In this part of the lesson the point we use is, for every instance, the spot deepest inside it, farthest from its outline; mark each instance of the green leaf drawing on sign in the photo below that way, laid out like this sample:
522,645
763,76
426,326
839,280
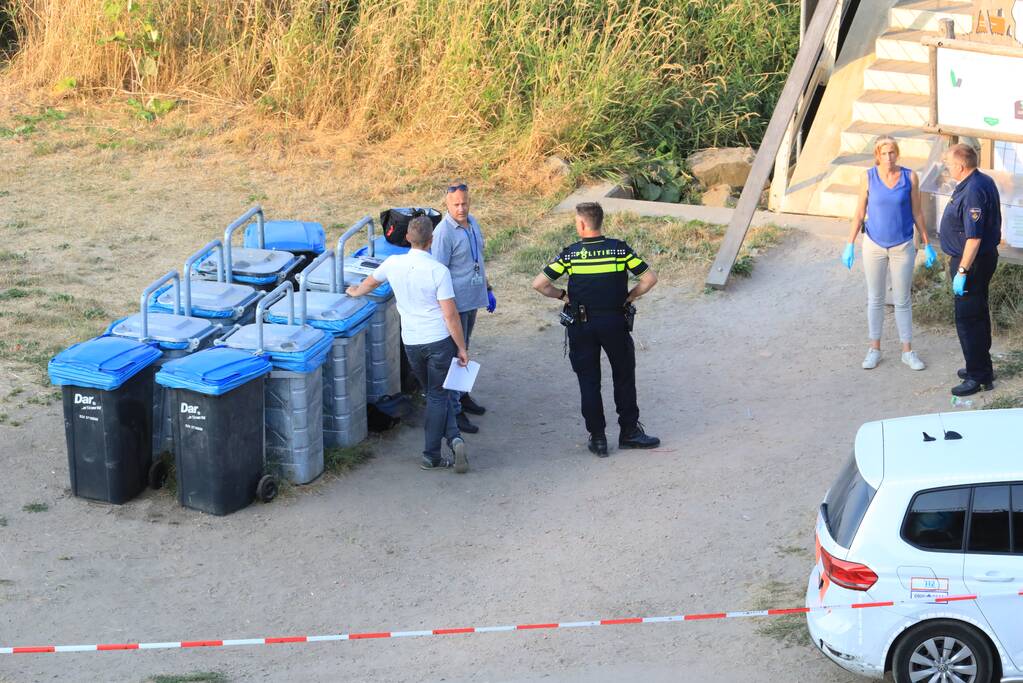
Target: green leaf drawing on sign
990,120
956,82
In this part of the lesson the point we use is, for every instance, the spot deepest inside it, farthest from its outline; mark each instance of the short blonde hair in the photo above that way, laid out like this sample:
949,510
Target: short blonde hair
881,142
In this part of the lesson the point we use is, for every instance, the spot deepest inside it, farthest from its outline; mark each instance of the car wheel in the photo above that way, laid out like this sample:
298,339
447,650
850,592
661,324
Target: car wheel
943,652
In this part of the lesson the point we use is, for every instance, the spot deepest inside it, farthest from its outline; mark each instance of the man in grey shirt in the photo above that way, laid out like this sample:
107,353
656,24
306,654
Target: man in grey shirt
458,244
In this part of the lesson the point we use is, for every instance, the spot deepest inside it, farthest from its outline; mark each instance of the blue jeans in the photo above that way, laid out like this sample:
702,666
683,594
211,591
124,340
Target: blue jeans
430,363
468,322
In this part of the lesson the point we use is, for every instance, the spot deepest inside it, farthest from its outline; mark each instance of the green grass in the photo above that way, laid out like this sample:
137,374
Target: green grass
933,302
663,242
35,507
1015,401
789,630
195,677
341,460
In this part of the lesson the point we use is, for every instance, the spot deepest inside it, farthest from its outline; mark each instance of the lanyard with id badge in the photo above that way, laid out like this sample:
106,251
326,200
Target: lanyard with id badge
477,276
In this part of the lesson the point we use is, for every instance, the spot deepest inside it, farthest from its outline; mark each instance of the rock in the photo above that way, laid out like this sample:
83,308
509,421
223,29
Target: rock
722,165
717,195
557,166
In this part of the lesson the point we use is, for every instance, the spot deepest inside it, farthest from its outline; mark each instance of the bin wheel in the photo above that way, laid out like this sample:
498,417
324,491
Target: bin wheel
267,488
157,474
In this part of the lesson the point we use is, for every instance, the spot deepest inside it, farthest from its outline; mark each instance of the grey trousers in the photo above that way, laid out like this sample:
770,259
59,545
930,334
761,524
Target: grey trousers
468,322
877,261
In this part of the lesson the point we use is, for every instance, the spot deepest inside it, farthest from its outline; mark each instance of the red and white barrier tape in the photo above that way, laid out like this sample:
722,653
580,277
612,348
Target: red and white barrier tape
41,649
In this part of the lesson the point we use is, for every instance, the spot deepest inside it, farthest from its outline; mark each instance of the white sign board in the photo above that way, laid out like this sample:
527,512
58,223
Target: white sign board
980,91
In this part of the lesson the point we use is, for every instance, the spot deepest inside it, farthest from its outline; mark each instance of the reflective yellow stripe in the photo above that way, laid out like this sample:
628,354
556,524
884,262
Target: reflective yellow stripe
634,263
557,267
597,269
591,261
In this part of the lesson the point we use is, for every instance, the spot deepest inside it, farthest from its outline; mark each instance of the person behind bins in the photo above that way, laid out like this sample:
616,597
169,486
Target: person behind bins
971,229
432,332
596,299
458,244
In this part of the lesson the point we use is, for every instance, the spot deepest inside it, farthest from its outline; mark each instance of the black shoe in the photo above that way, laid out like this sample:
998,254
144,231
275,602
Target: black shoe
464,425
470,406
970,386
637,438
961,374
598,445
461,458
438,464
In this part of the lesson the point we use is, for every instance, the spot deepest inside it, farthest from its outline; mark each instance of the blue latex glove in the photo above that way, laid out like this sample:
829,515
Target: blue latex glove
959,284
491,301
848,256
932,256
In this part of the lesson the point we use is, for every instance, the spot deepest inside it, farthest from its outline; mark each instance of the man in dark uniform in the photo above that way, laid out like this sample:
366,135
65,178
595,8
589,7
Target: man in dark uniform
598,292
971,229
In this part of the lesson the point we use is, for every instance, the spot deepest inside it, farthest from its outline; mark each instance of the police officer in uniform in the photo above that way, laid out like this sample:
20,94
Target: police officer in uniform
596,299
971,229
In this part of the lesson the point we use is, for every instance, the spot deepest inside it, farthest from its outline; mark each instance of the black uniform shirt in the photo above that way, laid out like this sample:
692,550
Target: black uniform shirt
973,211
598,271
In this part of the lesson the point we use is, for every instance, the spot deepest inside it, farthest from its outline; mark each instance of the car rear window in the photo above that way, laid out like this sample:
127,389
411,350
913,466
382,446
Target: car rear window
990,526
936,519
846,503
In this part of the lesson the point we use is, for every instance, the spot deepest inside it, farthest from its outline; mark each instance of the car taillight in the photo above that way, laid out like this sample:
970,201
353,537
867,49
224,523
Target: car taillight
851,575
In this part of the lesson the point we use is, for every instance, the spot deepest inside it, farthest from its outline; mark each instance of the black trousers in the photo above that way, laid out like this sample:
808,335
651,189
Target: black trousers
585,341
973,317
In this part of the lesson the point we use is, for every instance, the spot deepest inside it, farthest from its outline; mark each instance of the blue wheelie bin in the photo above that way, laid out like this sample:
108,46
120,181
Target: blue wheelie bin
383,337
260,267
306,239
176,334
294,389
107,384
217,395
344,372
220,301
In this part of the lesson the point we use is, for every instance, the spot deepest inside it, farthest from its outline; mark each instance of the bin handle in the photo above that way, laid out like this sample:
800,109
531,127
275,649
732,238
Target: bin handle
284,289
339,254
148,291
303,280
204,250
242,220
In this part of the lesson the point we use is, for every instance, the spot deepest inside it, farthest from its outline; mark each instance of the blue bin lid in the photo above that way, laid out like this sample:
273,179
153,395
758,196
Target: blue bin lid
288,235
105,362
336,313
210,299
382,249
213,372
299,348
250,265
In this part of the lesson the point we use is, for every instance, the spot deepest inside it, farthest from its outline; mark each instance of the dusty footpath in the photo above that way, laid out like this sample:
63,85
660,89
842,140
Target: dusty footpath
756,393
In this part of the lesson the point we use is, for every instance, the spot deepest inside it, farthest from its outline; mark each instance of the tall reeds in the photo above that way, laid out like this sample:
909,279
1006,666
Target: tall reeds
603,81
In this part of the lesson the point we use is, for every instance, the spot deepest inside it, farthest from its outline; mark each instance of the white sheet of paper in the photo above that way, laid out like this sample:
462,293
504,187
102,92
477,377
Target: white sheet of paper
461,379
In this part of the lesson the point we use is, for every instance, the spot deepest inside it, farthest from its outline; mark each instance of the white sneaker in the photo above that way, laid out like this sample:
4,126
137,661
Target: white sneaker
872,359
912,360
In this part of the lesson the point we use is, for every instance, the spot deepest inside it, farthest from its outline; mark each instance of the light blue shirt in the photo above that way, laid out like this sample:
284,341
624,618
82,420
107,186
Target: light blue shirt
461,250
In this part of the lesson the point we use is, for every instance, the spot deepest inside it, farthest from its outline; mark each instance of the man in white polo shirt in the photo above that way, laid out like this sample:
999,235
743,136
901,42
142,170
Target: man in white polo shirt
432,332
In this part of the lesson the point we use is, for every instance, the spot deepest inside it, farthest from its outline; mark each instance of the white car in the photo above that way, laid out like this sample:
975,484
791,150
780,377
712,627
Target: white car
928,511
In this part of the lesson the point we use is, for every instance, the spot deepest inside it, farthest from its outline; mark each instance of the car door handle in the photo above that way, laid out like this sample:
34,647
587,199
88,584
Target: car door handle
993,578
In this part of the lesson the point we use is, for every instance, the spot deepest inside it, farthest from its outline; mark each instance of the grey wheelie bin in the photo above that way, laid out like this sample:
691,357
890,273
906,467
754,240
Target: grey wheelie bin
383,336
177,334
344,372
107,384
260,267
294,389
220,301
218,428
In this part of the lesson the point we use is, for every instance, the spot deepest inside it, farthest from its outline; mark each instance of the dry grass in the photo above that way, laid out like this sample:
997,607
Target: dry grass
500,82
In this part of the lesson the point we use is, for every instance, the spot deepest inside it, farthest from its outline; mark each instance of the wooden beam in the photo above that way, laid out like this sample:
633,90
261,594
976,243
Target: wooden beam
973,133
795,85
968,46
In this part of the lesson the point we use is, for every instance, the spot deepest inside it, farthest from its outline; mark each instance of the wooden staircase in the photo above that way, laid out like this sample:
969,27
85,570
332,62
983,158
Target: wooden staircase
895,100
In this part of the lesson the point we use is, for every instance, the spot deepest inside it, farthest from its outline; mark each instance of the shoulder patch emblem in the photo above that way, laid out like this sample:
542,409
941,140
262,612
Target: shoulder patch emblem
975,215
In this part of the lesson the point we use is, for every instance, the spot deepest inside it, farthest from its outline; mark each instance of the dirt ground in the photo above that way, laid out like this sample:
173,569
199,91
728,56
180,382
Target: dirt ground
756,393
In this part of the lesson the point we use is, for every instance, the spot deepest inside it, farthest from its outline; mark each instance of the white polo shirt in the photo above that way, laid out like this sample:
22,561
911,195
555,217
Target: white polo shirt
419,284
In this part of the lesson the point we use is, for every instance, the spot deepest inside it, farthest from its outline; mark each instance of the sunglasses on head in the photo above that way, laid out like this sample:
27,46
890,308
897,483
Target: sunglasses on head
458,188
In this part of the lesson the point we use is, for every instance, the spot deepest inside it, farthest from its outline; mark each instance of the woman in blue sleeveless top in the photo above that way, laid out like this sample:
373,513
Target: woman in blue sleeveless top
889,200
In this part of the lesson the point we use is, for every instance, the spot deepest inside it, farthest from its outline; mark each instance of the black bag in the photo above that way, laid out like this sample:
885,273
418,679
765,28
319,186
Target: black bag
395,222
387,412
